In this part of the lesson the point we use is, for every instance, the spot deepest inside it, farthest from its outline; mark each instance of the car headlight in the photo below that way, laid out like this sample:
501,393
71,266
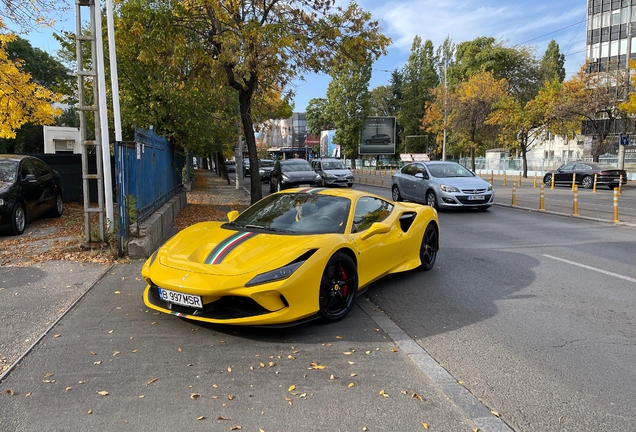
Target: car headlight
274,275
329,176
285,178
318,178
489,186
448,188
1,202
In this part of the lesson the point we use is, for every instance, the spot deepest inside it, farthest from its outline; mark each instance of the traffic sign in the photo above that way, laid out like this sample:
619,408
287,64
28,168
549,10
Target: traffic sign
624,140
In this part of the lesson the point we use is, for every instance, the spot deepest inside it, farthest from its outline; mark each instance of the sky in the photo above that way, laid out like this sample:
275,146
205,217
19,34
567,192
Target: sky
532,23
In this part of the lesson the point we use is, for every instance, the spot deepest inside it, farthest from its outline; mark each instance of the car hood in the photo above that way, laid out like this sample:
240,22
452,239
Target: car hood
464,182
4,187
208,248
301,175
339,172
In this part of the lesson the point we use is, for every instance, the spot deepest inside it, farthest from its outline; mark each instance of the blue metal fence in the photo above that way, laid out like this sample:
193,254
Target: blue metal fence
148,170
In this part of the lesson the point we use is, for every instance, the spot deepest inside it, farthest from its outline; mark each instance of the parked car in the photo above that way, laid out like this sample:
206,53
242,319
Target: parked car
246,168
289,258
265,167
332,172
231,166
606,175
28,188
378,139
290,173
442,185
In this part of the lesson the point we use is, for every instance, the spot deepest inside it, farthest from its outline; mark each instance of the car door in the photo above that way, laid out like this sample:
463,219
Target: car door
29,187
406,180
582,170
46,183
564,174
381,252
420,183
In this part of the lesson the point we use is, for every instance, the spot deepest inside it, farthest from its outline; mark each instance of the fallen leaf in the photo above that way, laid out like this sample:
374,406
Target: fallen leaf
338,337
90,411
153,323
221,418
291,388
291,357
314,365
332,377
28,394
110,332
352,363
235,428
117,292
194,396
48,375
416,396
272,364
81,382
351,385
495,413
393,349
97,362
151,381
384,394
68,388
48,381
347,353
353,374
134,351
180,349
425,425
367,352
57,335
200,418
115,353
142,396
93,353
10,392
102,393
230,397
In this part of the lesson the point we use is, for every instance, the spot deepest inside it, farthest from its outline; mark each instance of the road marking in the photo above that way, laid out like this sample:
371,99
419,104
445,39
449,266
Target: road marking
616,275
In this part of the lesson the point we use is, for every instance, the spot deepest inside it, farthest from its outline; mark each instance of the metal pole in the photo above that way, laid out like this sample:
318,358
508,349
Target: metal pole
445,98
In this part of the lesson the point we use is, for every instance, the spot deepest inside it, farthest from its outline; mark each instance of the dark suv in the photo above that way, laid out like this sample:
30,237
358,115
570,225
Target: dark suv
332,171
378,139
292,173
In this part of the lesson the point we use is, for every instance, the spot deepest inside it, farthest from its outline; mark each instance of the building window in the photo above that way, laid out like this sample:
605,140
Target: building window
633,47
616,18
614,48
604,50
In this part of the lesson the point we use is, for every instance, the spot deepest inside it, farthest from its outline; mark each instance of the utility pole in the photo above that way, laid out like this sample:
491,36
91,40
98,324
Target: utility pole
445,99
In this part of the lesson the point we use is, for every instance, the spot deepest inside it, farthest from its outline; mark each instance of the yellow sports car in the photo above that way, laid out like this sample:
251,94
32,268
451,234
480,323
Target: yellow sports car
293,256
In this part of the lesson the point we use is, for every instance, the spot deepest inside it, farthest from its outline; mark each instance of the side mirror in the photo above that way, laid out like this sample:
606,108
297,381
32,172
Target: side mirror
376,228
420,175
231,216
30,178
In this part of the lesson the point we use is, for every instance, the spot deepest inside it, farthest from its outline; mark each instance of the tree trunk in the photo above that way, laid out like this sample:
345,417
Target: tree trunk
245,98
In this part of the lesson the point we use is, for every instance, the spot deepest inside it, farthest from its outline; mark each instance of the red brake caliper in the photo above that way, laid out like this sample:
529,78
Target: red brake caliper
345,288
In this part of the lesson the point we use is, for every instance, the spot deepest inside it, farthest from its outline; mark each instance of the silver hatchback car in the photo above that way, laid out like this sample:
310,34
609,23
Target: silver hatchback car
442,185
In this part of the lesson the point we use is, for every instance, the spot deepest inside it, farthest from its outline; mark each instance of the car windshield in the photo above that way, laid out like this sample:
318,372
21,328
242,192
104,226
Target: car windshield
296,213
267,163
333,165
449,170
295,166
8,170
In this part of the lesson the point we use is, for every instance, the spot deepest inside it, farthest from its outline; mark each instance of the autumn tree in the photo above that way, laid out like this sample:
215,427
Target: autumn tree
382,102
316,115
266,44
31,14
21,100
348,104
552,66
471,104
597,99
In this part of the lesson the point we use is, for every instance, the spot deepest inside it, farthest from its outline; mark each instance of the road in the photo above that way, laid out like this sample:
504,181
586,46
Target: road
533,312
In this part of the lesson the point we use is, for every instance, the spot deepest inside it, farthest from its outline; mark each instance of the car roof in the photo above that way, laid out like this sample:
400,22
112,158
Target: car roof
13,157
293,160
352,194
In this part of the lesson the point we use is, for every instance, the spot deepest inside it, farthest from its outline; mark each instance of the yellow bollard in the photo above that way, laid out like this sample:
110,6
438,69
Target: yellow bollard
504,178
594,188
616,206
573,180
492,177
374,173
514,194
552,180
480,173
542,198
366,177
519,178
575,211
382,180
535,180
620,185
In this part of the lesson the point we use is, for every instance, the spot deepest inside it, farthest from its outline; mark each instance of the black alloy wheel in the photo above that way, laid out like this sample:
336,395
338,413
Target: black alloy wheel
395,193
587,182
338,288
547,180
58,209
428,248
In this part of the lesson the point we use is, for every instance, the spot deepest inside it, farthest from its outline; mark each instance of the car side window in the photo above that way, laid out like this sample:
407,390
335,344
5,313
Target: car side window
27,168
40,167
368,211
409,169
567,167
582,167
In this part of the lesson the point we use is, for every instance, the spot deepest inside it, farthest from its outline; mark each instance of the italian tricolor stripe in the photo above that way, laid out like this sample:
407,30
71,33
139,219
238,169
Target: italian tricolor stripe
224,248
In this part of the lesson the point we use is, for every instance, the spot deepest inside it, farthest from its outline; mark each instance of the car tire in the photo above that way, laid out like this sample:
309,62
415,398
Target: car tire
428,248
385,142
367,142
349,184
58,209
547,180
18,219
338,288
279,186
272,189
395,194
431,199
587,182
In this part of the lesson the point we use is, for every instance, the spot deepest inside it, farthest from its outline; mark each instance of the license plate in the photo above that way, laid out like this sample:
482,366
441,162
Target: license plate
303,185
476,197
182,299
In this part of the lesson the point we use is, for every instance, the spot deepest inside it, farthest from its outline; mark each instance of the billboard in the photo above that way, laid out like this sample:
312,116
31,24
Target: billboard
378,136
327,146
